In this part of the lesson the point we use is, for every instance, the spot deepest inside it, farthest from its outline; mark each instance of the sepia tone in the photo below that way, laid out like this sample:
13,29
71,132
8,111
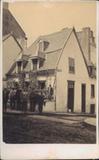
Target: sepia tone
49,87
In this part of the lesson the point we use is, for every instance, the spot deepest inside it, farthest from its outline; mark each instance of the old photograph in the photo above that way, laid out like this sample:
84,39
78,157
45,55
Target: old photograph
49,72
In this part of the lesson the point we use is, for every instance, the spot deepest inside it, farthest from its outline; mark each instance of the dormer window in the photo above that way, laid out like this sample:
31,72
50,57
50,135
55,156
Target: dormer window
43,45
19,66
41,63
92,71
35,64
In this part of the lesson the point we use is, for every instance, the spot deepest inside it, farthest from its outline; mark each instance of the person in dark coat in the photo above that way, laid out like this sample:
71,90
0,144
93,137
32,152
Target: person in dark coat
40,101
51,91
18,99
5,98
24,100
32,100
12,98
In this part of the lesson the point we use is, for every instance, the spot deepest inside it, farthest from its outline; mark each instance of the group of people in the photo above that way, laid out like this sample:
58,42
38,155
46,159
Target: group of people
18,99
23,99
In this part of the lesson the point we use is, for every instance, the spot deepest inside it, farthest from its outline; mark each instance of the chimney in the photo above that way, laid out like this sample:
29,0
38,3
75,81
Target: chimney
86,42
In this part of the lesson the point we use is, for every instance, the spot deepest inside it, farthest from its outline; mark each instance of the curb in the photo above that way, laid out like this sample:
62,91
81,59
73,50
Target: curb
90,125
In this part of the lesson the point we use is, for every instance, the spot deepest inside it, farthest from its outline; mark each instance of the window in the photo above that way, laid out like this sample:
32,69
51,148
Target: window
19,66
41,46
92,91
41,63
34,61
71,65
46,44
92,71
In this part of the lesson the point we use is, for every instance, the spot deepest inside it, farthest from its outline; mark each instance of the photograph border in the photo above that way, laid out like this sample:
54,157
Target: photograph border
50,151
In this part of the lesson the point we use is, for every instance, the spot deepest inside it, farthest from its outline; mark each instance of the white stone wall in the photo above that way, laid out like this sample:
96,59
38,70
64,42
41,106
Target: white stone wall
81,76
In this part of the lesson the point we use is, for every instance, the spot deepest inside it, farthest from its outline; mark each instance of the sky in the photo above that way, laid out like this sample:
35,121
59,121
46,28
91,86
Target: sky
41,18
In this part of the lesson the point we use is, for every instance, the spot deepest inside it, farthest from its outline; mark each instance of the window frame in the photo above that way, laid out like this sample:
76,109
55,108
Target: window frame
71,63
92,91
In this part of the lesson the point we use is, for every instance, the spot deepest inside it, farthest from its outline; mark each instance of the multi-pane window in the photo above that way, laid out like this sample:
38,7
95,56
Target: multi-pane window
71,65
92,91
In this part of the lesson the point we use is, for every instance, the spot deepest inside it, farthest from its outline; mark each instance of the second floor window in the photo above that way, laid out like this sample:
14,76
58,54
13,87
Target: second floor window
71,65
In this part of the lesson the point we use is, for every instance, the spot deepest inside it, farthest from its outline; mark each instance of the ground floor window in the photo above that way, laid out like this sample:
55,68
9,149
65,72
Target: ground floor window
92,91
92,108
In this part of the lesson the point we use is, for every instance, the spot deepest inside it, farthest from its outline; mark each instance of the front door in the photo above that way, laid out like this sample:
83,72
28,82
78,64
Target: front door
70,100
83,97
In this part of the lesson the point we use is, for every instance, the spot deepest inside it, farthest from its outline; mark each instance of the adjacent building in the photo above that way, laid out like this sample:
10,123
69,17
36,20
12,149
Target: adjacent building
14,40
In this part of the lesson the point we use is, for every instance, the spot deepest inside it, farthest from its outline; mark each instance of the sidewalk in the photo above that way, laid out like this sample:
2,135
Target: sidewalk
74,114
90,121
67,118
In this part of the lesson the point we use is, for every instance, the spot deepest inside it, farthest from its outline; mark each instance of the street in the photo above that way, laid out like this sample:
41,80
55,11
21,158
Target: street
46,128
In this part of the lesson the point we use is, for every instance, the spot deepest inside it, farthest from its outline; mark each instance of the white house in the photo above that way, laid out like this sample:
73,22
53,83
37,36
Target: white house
63,60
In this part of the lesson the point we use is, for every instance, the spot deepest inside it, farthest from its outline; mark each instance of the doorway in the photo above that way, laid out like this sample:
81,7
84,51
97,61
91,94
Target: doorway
83,97
70,100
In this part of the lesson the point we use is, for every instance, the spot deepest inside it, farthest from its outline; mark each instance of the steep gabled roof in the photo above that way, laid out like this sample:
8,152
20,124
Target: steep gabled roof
56,41
12,23
51,60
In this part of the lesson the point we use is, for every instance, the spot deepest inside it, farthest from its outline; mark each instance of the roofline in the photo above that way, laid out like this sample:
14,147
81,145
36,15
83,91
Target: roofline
63,48
81,50
73,30
11,68
11,34
15,20
53,51
53,33
6,36
44,36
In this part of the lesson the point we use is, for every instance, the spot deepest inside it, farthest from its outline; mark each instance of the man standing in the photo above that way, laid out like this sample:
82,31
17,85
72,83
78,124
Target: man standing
40,100
50,91
32,100
5,98
18,99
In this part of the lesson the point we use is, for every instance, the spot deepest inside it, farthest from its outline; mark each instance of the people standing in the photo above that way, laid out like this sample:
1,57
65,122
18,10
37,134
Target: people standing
50,91
32,100
5,98
40,101
12,98
24,100
18,99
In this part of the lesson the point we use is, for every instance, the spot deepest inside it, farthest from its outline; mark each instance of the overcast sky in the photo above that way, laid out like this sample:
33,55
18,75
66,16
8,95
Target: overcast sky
38,18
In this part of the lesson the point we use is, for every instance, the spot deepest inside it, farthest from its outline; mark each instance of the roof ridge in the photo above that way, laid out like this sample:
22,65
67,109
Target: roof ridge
54,33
